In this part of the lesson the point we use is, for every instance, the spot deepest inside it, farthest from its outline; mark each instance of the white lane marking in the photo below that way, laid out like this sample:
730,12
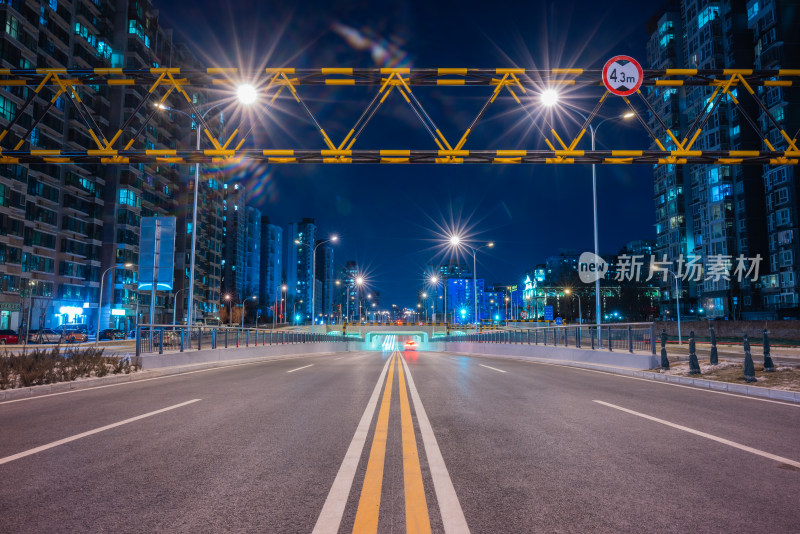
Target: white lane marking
177,375
609,373
453,518
724,441
304,367
90,432
339,358
492,368
331,515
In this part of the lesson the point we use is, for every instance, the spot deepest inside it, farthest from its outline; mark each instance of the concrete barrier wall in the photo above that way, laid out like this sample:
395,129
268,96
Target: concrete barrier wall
169,359
601,357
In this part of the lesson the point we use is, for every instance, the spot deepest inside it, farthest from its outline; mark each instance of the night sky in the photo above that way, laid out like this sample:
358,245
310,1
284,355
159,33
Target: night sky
392,217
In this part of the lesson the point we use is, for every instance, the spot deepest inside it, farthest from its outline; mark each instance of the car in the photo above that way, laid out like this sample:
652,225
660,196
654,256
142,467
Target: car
8,337
44,335
411,345
73,334
111,334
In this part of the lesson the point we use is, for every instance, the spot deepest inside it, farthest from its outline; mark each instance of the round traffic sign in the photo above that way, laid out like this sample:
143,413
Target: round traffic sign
559,321
523,314
622,75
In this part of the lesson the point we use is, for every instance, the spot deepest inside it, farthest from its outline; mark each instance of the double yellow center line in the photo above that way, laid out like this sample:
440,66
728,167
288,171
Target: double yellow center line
417,518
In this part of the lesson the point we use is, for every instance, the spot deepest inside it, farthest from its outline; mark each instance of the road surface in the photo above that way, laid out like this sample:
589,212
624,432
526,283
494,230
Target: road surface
398,442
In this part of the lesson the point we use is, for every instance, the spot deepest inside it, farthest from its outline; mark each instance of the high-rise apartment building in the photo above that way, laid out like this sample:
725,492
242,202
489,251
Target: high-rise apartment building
707,211
234,239
271,266
776,44
252,252
302,237
64,226
326,277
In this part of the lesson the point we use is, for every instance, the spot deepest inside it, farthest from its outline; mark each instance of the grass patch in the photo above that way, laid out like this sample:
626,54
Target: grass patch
49,366
786,378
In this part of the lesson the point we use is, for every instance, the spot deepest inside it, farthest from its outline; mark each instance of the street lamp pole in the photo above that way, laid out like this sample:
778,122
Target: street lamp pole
677,304
333,239
99,300
175,304
246,95
244,302
550,98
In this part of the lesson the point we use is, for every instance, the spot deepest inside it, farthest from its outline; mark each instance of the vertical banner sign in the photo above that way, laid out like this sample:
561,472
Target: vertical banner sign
622,75
156,253
548,313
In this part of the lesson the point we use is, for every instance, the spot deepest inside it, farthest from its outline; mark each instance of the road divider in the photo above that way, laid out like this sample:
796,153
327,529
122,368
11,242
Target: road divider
331,515
369,503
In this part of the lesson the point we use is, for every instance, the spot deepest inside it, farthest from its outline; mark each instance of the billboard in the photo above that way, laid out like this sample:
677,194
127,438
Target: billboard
157,253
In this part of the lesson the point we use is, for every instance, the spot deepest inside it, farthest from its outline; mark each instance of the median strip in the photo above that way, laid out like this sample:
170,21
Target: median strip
332,511
369,503
417,518
724,441
453,518
41,448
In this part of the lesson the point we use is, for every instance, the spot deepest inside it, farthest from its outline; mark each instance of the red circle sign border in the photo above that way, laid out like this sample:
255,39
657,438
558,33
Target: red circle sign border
638,83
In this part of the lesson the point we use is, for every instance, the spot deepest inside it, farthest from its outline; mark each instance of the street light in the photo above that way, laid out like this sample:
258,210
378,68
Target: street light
100,299
580,317
230,314
175,304
246,94
243,308
433,280
549,98
456,241
332,239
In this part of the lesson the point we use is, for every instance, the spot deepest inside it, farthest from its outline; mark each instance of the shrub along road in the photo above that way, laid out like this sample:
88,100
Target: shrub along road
371,441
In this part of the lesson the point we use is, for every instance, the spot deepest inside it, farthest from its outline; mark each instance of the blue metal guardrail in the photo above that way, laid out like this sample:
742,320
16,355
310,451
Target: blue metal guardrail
618,336
155,339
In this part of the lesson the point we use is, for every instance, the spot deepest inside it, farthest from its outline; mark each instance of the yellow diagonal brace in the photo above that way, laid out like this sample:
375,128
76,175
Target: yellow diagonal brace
496,92
353,129
225,146
297,98
439,133
565,147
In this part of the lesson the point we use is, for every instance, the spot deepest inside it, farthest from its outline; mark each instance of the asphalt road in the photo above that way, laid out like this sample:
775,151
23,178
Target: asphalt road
456,444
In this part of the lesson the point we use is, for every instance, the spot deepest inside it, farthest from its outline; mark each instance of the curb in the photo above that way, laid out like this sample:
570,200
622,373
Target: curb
700,383
61,387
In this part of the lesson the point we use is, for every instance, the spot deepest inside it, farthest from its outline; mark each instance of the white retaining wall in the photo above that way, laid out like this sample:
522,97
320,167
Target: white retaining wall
598,356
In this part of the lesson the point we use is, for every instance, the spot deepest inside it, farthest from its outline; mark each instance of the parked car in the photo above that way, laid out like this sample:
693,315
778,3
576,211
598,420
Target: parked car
73,334
8,337
44,335
111,334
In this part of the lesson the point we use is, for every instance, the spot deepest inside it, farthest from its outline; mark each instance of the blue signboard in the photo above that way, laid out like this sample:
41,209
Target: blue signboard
156,253
548,313
559,321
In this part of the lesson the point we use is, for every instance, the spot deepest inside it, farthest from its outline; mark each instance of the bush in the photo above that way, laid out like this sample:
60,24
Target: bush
48,366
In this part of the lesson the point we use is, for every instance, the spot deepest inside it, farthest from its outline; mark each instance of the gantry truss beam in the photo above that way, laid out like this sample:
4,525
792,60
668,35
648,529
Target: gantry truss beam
123,145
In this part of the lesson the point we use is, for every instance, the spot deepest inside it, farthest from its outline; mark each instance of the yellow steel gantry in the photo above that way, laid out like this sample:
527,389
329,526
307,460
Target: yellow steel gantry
161,83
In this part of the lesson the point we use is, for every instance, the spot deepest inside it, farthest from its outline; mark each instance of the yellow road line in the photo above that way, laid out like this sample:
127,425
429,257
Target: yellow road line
369,503
417,519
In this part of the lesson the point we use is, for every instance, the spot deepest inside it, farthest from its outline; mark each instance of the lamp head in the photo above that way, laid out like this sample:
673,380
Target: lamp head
549,97
455,240
246,94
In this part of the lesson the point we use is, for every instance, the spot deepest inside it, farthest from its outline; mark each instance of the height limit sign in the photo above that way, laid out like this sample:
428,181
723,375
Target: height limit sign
622,75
